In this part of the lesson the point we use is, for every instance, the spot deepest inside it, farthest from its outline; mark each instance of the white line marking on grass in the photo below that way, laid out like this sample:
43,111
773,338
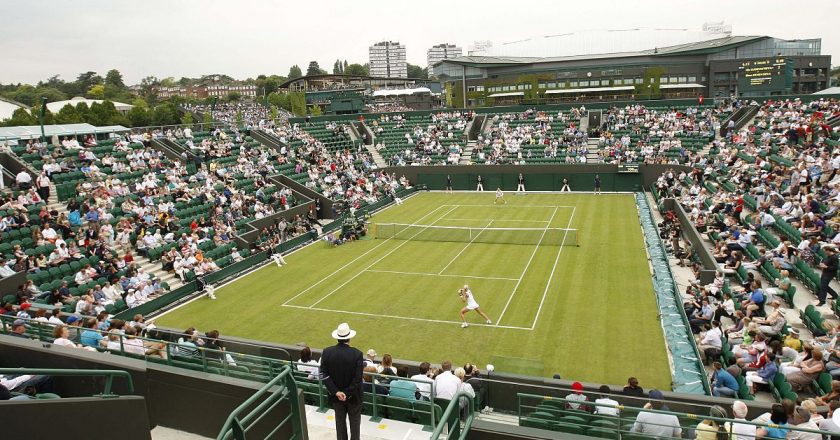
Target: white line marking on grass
465,247
376,315
521,277
496,220
350,262
551,276
441,275
512,206
380,258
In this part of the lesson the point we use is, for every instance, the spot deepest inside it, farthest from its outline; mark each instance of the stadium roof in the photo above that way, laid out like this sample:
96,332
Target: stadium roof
829,91
55,107
399,92
7,108
34,131
696,48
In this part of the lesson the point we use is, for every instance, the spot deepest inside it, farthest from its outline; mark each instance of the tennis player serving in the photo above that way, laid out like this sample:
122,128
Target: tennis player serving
467,296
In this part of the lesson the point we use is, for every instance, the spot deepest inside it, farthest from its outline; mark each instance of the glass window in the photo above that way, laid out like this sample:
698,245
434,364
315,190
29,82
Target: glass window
520,87
584,83
638,81
573,84
682,80
692,79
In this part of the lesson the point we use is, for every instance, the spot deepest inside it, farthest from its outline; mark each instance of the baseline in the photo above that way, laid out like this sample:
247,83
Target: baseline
440,275
376,315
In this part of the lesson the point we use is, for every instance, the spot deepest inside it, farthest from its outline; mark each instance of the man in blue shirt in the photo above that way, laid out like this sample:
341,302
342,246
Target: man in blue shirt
403,388
723,383
91,337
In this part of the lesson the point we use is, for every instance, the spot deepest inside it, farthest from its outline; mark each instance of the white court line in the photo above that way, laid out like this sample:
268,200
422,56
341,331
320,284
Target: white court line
465,248
351,262
495,220
521,277
377,315
441,275
381,258
551,276
512,206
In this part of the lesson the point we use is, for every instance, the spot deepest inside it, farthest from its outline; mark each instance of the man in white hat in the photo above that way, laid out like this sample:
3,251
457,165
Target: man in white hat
341,368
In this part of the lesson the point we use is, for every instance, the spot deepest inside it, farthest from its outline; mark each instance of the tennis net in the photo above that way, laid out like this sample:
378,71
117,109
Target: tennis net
525,236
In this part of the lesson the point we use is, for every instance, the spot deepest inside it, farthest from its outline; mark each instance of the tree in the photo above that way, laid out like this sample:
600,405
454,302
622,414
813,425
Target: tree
295,72
114,78
96,92
21,117
356,70
338,68
87,80
417,72
297,101
314,69
344,67
139,116
315,110
187,119
280,100
68,115
233,97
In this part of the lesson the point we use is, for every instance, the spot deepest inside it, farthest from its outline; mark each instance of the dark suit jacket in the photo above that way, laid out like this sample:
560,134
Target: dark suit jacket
341,367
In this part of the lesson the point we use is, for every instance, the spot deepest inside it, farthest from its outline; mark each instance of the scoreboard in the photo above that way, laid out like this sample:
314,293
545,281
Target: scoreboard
765,75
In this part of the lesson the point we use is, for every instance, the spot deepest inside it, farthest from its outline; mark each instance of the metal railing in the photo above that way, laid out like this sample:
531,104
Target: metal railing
109,376
451,418
249,367
278,390
619,421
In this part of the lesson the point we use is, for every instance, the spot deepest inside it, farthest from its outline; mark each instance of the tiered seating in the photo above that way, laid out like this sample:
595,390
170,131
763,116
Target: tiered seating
532,137
658,133
437,138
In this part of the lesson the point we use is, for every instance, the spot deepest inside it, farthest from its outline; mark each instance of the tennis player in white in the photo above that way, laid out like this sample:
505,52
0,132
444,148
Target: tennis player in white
467,296
500,196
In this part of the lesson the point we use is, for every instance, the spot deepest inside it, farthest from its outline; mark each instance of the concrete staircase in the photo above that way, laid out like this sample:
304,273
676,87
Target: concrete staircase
593,151
377,158
151,268
466,155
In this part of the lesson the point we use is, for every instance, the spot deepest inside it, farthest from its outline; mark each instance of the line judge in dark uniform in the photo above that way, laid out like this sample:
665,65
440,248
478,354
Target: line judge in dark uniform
829,267
341,368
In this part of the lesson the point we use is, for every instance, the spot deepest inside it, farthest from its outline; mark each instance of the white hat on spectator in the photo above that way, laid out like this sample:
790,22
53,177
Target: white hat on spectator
343,332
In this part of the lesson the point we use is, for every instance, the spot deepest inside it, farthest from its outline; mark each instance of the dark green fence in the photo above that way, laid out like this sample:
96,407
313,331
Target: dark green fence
610,181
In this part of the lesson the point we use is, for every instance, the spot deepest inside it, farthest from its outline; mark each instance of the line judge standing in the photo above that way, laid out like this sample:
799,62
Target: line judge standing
341,368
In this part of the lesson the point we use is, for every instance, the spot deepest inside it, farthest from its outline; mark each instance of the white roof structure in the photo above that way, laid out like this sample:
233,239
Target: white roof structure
401,92
7,108
502,95
55,107
828,91
34,131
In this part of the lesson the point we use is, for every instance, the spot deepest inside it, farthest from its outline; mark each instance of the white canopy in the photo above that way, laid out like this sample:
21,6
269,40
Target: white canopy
401,92
55,107
501,95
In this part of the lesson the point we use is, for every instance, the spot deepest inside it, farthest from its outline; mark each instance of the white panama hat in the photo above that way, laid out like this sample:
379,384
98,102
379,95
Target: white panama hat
343,332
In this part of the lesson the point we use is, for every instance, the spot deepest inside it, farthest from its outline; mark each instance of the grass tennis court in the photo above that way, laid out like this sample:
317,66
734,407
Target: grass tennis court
586,312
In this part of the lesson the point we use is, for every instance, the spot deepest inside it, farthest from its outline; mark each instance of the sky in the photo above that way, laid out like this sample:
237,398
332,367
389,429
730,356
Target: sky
246,38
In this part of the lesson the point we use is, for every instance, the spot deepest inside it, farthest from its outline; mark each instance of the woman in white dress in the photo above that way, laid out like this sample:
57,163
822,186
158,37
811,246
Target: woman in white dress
467,296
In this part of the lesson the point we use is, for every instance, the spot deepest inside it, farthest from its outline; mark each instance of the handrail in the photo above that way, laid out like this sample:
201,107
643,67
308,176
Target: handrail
634,411
109,376
238,422
453,420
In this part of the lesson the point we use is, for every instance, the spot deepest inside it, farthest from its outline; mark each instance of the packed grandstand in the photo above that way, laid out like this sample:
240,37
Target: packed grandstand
100,226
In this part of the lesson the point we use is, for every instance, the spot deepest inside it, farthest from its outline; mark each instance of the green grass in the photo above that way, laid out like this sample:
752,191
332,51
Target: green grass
598,321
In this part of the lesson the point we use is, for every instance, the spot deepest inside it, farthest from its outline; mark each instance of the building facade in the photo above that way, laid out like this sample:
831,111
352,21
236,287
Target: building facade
440,52
205,91
723,67
387,60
